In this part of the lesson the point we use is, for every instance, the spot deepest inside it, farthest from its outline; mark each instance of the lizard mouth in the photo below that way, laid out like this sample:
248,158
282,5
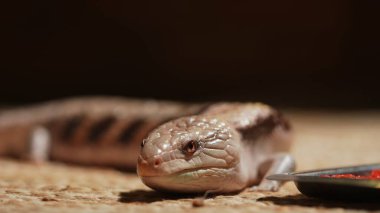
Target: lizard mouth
184,171
189,180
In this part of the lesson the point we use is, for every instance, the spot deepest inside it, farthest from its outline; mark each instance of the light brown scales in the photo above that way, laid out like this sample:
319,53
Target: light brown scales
95,131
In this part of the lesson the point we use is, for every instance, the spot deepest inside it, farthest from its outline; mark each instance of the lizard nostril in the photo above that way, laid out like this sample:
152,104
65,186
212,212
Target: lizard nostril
157,161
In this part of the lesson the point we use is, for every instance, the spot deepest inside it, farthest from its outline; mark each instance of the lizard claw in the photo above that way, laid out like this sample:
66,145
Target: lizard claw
266,186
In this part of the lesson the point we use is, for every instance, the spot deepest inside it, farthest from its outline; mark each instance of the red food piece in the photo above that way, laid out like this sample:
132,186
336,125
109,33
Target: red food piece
375,175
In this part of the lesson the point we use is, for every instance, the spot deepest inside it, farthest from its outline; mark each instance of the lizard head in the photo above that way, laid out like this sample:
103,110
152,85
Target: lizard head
192,155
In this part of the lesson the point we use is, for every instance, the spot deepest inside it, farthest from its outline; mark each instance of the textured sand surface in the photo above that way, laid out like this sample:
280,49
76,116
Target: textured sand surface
322,140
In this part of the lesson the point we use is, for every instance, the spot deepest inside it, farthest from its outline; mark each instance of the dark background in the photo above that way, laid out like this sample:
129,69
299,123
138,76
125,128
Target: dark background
288,53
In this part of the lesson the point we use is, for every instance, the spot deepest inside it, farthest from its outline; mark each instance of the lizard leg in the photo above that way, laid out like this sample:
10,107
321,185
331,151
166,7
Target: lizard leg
279,163
39,145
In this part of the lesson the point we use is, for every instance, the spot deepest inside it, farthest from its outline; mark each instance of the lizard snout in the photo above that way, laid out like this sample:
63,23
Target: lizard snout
149,167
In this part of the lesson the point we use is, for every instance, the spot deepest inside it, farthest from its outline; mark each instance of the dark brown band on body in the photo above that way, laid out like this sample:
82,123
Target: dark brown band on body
128,133
264,126
100,128
71,127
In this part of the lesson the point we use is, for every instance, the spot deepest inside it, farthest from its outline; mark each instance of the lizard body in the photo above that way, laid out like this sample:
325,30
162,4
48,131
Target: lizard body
223,147
90,131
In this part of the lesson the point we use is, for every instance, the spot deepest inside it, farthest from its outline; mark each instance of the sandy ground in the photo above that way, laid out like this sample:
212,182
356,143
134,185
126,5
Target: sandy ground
322,140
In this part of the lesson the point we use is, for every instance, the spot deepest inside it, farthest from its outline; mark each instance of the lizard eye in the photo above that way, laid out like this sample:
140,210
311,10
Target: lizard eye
190,147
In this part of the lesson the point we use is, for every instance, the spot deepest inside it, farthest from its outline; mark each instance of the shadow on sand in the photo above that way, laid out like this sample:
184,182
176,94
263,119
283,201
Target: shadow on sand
147,196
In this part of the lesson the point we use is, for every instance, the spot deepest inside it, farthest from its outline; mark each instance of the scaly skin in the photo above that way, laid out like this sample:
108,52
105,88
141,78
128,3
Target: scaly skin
220,150
225,148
